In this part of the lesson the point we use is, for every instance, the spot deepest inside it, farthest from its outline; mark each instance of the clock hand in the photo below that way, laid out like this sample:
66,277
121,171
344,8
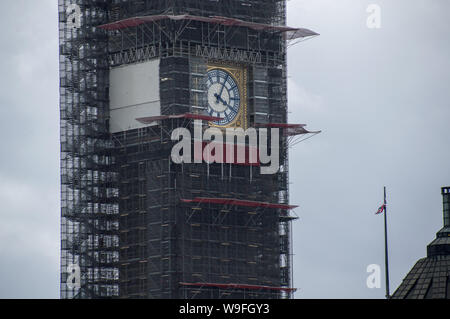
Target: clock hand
217,97
223,85
220,99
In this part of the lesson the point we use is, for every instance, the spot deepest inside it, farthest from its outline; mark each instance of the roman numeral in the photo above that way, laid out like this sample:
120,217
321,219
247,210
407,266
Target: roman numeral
232,109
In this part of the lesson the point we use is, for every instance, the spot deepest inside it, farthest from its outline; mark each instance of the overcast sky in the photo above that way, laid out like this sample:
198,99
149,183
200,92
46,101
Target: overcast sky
380,96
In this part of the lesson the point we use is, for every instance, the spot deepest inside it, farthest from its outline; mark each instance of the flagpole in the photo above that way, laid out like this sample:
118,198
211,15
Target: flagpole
386,247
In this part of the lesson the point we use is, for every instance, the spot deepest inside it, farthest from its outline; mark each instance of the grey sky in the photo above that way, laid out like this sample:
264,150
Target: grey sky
29,143
379,95
381,98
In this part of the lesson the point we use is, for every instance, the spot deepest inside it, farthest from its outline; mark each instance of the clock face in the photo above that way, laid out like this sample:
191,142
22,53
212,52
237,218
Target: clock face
224,98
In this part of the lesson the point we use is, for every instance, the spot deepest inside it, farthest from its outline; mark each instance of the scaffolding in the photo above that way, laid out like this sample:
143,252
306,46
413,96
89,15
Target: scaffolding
89,193
186,224
137,224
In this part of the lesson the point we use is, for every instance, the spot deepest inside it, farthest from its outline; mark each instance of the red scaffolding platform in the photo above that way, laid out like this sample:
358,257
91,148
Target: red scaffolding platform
236,286
290,33
237,202
151,119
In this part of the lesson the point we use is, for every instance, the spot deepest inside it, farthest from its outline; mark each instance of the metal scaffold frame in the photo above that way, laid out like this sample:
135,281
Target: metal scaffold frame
137,224
89,194
191,223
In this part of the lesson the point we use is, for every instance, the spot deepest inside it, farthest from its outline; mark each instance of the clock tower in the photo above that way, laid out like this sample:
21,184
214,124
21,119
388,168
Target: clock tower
135,224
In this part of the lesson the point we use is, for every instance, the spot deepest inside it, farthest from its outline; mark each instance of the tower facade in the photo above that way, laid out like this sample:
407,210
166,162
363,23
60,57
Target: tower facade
142,217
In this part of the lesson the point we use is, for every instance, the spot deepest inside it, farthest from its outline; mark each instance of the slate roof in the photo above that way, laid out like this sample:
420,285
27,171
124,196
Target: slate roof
430,276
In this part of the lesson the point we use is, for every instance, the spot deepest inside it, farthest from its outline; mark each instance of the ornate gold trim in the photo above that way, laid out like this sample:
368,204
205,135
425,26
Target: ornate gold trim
239,74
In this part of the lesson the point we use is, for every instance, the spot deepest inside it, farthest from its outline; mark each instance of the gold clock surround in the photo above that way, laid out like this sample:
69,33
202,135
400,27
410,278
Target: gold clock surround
240,76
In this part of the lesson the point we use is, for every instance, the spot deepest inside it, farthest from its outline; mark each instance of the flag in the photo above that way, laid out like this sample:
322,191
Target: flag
380,209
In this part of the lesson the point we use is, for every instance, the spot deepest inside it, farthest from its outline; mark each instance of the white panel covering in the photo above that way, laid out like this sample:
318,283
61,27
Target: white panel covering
133,93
